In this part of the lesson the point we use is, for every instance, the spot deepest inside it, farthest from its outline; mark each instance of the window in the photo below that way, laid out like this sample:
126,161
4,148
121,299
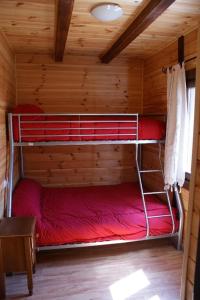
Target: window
190,79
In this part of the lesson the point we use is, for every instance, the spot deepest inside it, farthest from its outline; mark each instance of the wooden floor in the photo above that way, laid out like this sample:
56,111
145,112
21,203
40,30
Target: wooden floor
142,271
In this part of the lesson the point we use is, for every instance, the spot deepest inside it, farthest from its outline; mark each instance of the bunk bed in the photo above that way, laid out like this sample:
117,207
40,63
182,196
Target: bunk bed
88,216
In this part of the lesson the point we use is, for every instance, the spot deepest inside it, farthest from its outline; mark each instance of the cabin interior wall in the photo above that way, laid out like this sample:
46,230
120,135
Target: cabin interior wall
83,85
155,101
7,101
190,253
80,85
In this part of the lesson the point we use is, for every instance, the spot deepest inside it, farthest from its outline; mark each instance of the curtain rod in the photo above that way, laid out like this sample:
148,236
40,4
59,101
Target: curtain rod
164,69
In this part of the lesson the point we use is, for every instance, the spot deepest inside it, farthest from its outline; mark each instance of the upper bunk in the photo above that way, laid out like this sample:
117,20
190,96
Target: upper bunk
44,129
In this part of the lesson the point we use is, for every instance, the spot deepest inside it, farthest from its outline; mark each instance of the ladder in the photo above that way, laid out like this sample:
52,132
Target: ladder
144,194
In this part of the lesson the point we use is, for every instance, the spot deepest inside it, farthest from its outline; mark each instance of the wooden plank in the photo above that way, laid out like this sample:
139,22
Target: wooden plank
189,290
95,267
196,199
29,27
148,15
80,84
7,100
185,198
64,13
191,270
191,242
196,274
195,224
193,247
155,82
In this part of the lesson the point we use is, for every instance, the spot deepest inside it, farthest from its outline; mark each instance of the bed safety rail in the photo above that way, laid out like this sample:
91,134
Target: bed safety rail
76,129
81,128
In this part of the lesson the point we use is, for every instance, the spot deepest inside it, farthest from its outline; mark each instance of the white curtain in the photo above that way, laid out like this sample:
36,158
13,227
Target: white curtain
177,122
191,107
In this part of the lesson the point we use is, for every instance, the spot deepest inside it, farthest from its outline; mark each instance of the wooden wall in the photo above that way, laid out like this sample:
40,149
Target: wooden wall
78,85
194,202
7,100
155,100
155,81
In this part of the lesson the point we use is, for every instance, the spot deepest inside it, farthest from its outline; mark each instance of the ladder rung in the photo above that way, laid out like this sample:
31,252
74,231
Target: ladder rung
161,216
154,193
149,171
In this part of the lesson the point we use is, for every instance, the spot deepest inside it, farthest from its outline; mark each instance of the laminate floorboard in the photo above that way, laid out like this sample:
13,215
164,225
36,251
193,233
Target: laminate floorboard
148,270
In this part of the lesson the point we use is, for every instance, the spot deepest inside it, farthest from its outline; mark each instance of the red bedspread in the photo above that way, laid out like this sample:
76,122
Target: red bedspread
88,214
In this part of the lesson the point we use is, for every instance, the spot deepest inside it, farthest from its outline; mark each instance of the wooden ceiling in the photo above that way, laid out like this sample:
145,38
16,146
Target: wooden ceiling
29,26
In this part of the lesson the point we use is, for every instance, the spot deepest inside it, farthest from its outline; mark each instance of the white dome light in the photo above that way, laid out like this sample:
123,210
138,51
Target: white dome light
107,12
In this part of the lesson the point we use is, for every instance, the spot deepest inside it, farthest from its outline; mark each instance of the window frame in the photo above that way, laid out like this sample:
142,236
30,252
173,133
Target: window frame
190,82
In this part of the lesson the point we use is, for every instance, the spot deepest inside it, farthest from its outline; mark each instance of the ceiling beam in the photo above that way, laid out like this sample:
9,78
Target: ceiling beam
147,16
64,13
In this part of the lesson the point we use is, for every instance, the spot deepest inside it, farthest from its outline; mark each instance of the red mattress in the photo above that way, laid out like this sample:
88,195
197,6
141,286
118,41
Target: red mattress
89,214
44,128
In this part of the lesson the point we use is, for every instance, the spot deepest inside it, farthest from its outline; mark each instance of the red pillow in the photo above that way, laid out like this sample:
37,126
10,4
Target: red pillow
25,109
151,129
26,199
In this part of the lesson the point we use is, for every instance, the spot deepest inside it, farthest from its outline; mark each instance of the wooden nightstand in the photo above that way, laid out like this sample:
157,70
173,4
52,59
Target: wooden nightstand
17,253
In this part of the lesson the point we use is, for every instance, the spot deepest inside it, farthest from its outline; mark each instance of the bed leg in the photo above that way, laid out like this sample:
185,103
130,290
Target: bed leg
11,169
181,219
21,162
177,243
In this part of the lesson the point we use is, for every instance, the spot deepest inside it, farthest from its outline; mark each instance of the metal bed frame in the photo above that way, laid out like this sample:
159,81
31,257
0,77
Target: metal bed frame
134,119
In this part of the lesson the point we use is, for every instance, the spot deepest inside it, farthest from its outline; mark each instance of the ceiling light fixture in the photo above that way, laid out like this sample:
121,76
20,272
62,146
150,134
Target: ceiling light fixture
107,12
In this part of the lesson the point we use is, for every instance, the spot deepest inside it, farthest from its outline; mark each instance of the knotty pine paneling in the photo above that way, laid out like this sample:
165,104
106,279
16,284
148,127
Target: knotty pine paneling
80,165
7,100
155,81
155,101
194,207
29,27
80,85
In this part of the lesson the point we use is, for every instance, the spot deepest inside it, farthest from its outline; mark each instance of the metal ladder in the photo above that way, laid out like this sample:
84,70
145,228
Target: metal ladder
144,194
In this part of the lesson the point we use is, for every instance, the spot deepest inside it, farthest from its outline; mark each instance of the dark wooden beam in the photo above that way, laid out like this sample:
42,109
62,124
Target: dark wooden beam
181,50
64,13
147,16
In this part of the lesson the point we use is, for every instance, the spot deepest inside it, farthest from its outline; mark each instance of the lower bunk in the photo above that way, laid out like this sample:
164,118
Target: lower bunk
78,216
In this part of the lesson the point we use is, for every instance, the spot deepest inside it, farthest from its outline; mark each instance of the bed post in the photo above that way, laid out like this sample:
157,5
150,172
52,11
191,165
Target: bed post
140,155
11,167
181,218
21,149
21,162
141,189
